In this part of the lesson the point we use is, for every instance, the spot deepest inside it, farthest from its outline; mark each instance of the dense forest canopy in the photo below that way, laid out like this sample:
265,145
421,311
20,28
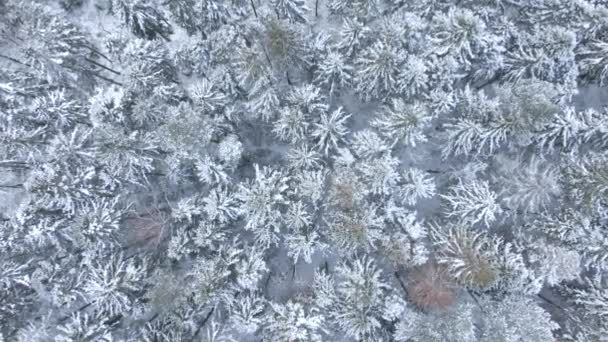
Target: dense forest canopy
303,170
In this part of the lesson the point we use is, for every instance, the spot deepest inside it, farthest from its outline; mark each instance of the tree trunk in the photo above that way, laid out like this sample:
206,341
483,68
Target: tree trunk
11,186
200,326
254,11
102,66
288,79
14,60
98,53
401,283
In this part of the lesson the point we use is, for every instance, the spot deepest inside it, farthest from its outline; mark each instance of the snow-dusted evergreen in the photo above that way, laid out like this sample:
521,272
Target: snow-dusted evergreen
303,170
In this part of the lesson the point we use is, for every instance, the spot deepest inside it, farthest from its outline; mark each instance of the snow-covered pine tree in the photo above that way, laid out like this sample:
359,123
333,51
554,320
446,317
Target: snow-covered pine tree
303,170
143,19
